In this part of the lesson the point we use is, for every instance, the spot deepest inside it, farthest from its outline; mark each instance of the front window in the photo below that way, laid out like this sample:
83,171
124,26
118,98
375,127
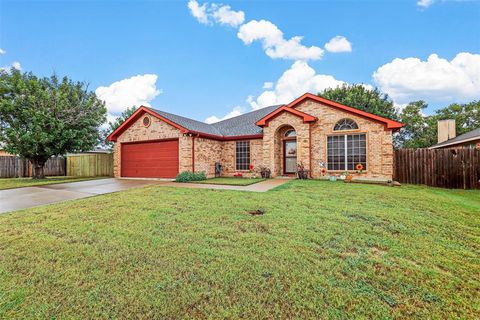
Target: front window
345,124
242,155
344,152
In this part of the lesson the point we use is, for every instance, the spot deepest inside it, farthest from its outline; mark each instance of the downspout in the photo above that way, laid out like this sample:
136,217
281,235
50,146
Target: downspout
193,153
310,149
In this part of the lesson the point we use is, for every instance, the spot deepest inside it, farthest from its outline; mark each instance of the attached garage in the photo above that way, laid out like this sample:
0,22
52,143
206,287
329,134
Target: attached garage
150,159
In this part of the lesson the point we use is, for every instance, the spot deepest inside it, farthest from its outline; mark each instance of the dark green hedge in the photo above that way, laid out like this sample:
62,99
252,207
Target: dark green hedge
188,176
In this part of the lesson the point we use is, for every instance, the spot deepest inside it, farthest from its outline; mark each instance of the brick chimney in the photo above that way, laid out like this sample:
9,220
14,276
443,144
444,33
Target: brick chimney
446,130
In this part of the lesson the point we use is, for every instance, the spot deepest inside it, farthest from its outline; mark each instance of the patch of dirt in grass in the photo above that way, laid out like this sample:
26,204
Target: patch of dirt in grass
352,252
377,251
252,226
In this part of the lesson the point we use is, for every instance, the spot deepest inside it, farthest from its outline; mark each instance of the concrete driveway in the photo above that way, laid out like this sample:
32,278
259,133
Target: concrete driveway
22,198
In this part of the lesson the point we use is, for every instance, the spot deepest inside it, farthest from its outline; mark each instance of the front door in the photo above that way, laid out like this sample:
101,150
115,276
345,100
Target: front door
289,156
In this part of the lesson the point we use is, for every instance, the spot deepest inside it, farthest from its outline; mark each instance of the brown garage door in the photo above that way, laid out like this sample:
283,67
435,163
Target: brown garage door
156,159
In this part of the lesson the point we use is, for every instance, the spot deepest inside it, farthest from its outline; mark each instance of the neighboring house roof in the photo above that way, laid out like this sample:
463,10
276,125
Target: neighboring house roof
469,136
247,125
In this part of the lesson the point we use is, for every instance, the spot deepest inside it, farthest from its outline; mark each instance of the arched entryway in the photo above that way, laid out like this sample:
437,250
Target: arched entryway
286,151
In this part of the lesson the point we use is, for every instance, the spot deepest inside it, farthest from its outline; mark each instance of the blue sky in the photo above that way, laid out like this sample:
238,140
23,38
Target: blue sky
217,62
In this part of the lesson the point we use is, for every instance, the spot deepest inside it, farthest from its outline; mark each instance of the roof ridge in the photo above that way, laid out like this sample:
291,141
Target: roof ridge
177,115
247,113
169,115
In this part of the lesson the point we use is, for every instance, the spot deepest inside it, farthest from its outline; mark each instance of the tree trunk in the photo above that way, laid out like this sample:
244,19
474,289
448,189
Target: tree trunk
38,172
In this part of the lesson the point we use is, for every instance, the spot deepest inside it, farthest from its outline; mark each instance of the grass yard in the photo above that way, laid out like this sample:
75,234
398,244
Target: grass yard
11,183
232,181
323,250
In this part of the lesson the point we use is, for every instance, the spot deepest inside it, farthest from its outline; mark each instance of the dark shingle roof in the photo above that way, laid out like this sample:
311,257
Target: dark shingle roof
189,124
236,126
461,138
243,124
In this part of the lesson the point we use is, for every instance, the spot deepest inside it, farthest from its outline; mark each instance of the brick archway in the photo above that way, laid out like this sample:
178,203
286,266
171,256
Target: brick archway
285,151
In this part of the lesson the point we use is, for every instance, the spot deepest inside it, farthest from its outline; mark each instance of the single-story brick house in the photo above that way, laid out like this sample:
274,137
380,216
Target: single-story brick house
314,131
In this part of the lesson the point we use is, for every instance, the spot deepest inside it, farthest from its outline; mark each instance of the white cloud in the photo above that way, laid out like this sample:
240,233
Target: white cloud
295,81
274,44
235,112
425,3
222,14
434,80
338,44
226,16
267,85
198,11
135,91
15,65
2,51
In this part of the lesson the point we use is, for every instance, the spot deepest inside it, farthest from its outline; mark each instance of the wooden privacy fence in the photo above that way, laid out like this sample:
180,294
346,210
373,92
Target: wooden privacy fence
445,168
12,167
90,165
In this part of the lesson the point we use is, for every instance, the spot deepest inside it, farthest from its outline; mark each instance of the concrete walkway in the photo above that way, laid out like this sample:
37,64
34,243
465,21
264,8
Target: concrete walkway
22,198
256,187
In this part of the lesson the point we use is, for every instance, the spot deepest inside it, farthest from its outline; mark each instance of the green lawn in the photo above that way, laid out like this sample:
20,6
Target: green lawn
232,181
322,250
11,183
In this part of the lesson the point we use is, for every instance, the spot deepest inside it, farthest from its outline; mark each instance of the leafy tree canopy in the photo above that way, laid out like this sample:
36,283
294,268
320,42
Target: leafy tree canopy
358,96
467,116
43,117
112,125
421,130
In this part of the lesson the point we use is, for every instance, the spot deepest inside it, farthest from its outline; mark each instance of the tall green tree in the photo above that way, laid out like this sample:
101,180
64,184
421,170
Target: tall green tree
420,130
467,116
358,96
112,125
43,117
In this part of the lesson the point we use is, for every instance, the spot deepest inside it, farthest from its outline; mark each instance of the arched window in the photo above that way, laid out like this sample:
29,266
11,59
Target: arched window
290,133
345,124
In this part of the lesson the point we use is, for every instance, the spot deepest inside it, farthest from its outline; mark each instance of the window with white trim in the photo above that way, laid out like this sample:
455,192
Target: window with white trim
345,152
345,124
242,155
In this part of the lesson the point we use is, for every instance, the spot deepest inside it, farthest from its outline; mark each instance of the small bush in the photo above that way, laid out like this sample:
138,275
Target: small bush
187,176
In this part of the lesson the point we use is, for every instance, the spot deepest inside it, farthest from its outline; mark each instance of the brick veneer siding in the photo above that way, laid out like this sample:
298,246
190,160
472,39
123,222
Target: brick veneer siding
228,156
157,130
207,152
272,143
268,151
379,140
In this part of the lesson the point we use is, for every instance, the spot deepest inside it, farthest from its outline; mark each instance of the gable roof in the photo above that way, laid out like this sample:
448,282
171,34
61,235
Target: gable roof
189,124
248,125
389,123
306,117
469,136
242,126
